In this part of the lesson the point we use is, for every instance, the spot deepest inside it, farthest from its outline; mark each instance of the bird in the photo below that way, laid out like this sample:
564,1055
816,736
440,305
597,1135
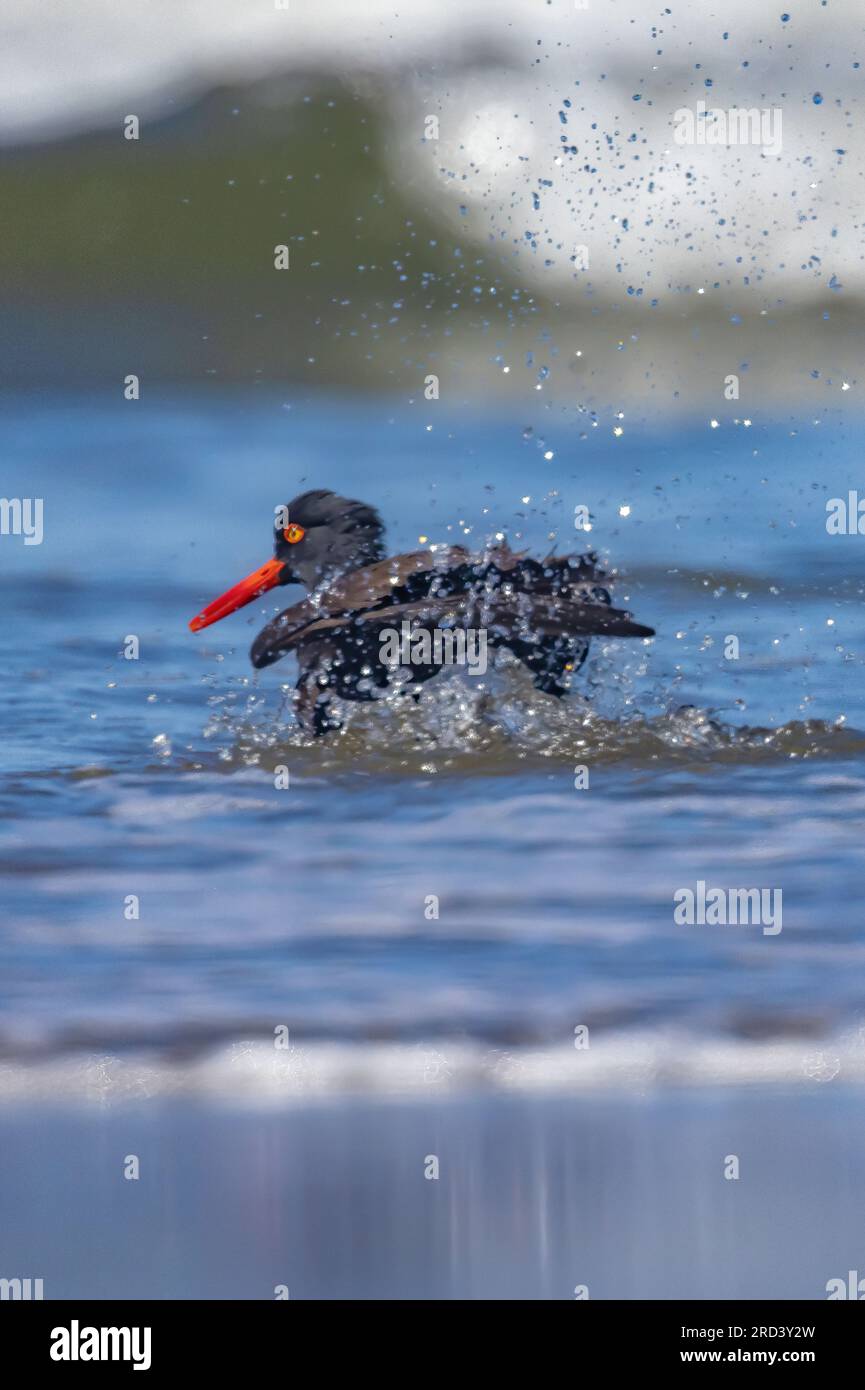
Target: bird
543,611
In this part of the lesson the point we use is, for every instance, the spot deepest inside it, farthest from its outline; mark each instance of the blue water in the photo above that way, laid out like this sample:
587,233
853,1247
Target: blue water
305,906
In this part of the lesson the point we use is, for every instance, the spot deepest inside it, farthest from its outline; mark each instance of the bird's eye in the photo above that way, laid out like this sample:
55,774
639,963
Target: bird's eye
294,533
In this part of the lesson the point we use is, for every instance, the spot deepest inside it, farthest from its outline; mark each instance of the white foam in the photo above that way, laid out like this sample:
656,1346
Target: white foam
255,1072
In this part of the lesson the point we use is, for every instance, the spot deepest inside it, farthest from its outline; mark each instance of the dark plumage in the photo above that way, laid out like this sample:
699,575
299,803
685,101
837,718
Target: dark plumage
543,611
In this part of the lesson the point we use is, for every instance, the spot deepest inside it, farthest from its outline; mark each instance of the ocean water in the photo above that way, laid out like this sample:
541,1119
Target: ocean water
305,908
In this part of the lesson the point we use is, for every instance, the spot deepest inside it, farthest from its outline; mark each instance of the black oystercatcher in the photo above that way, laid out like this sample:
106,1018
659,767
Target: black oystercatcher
544,611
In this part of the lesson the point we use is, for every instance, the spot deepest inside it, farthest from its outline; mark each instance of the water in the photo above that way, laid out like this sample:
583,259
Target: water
534,1198
306,907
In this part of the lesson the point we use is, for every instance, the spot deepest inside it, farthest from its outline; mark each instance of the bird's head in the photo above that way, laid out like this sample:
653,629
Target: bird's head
317,537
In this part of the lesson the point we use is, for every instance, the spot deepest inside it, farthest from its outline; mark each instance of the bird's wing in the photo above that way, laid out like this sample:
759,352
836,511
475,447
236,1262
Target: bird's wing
532,617
361,590
367,587
564,601
527,616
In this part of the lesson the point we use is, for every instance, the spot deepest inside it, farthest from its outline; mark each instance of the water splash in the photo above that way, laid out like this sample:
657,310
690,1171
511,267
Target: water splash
505,726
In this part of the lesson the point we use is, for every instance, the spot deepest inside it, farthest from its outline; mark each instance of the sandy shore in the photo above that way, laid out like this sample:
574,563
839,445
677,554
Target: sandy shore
622,1194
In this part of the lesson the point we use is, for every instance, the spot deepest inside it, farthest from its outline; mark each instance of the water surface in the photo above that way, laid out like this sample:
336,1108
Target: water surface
305,907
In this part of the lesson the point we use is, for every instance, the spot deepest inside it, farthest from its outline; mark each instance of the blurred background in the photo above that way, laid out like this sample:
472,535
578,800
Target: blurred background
433,173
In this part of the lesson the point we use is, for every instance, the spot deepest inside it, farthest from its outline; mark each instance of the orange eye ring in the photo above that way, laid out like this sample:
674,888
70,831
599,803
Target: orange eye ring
294,533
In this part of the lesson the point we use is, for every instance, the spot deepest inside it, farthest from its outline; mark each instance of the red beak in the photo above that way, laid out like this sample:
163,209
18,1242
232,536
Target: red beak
248,589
